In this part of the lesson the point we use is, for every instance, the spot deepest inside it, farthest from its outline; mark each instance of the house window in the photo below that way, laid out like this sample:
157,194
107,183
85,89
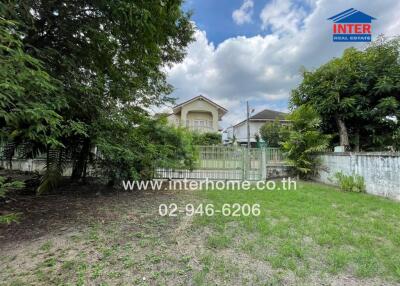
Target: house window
210,123
187,123
199,123
177,122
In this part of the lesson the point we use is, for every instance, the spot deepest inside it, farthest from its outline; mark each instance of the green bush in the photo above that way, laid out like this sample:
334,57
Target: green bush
135,152
354,183
396,140
303,140
5,187
209,138
274,133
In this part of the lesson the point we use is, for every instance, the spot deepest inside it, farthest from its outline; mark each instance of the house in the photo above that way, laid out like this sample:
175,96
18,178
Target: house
197,114
239,131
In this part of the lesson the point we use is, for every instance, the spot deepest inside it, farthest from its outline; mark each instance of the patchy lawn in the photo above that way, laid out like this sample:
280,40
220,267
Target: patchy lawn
314,235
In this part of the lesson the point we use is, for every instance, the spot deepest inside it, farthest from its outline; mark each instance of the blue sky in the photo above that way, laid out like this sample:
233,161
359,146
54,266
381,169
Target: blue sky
253,50
215,17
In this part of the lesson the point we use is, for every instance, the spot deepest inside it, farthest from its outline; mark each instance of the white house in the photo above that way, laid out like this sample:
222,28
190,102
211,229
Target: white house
197,114
239,131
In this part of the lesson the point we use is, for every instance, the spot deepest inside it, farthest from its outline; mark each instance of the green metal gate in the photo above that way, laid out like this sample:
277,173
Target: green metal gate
227,163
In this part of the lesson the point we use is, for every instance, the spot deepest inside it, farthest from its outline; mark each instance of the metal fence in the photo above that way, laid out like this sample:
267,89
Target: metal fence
214,163
274,156
227,163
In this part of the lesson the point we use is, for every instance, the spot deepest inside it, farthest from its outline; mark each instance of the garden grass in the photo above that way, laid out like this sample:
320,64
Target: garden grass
315,235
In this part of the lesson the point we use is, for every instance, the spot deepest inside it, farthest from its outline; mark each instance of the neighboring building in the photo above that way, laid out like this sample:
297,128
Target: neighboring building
239,131
197,114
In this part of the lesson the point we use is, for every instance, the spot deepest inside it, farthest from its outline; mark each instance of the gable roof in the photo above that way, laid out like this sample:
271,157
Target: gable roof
352,16
200,97
269,114
266,115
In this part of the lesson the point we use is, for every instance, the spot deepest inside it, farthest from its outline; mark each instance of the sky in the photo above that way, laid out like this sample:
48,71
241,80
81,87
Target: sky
253,50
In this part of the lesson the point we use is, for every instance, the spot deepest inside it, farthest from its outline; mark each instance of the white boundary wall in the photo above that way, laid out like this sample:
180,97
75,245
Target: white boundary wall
381,171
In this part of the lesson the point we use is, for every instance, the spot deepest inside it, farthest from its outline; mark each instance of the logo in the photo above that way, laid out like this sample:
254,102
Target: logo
352,26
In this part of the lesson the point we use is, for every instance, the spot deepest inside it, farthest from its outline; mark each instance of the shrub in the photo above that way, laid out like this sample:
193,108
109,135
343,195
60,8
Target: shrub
304,140
350,183
4,188
135,153
274,133
209,138
396,140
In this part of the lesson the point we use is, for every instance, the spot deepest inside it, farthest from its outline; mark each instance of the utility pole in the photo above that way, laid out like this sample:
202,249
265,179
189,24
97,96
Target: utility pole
248,125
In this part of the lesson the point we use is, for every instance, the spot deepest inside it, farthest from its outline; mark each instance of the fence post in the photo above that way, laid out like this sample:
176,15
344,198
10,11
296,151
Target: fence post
243,163
263,164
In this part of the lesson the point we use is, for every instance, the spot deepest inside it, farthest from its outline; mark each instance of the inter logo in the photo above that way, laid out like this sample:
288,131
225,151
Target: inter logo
352,26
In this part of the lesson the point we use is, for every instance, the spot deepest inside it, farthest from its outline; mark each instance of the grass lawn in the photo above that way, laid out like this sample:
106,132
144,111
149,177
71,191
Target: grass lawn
312,236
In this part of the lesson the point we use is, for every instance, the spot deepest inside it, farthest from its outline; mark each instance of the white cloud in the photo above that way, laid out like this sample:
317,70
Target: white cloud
244,13
282,16
263,69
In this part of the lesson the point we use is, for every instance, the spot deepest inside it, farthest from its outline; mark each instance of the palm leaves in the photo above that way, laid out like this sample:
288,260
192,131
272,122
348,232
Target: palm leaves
56,163
305,140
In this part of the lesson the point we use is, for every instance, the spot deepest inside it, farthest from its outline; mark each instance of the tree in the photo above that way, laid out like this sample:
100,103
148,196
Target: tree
28,105
357,95
134,152
304,141
109,58
273,133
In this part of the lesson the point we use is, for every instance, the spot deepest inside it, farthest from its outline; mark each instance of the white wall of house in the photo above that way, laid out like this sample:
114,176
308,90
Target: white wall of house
240,131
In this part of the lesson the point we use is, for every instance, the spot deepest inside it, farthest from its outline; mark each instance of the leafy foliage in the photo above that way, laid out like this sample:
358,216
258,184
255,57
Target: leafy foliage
274,133
56,163
135,152
5,187
304,140
357,95
28,107
10,218
209,138
88,68
353,183
396,140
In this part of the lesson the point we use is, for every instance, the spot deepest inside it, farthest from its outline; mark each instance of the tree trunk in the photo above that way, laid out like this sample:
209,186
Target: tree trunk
80,163
344,136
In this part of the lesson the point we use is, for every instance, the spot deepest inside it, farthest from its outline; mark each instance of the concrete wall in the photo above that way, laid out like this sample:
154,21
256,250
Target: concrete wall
277,171
381,171
38,165
30,165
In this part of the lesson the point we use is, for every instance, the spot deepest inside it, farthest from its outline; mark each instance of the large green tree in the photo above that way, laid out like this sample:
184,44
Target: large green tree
108,56
28,105
357,95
